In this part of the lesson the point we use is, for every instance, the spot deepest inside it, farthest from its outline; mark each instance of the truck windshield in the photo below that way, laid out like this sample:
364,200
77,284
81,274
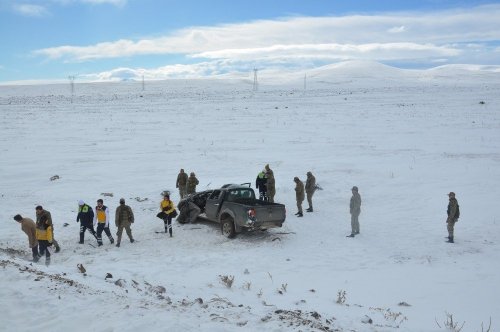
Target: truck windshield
237,194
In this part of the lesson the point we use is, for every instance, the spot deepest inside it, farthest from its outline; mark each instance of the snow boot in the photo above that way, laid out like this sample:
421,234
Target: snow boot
352,235
118,245
47,261
300,214
450,240
309,209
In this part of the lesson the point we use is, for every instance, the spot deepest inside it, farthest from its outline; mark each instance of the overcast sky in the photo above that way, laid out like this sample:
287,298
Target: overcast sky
123,39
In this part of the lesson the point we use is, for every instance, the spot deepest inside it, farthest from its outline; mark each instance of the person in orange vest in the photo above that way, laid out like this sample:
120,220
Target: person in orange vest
101,219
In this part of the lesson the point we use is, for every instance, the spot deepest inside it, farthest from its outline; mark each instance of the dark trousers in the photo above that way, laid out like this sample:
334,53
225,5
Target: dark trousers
102,227
168,224
263,195
83,228
35,253
43,246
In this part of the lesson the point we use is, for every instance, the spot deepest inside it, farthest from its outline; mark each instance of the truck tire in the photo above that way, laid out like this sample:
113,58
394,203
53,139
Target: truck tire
227,227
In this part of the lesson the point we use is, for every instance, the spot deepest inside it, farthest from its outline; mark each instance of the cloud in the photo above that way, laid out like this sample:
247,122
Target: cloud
30,10
118,3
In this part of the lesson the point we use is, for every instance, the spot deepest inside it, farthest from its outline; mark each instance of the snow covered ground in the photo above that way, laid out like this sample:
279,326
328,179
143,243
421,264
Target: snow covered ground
405,138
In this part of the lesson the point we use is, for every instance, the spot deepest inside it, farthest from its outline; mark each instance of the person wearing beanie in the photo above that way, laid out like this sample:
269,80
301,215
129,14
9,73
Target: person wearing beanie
192,182
355,210
181,183
28,226
86,218
42,213
124,217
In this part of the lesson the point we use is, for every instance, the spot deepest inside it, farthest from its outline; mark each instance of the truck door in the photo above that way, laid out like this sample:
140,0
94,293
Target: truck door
213,205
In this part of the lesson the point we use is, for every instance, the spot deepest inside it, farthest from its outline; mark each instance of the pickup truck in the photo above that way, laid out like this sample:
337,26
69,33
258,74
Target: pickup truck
234,207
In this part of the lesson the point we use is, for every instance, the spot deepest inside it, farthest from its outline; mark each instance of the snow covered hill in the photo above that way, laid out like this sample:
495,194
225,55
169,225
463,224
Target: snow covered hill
405,138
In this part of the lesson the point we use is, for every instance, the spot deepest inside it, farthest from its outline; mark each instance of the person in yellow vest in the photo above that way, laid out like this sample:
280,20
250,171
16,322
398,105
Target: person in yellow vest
44,236
28,226
101,219
167,209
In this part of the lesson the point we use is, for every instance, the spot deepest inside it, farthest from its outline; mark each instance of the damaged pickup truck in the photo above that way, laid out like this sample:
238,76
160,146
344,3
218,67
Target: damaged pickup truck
234,207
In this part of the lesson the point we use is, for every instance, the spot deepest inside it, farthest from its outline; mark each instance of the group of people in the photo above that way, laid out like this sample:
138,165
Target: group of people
41,233
186,184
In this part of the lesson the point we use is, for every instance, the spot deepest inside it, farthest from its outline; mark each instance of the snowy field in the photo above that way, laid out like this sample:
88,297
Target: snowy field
405,138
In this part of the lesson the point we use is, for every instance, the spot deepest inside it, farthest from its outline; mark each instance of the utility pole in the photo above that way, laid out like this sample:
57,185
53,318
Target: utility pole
142,82
72,83
255,82
305,82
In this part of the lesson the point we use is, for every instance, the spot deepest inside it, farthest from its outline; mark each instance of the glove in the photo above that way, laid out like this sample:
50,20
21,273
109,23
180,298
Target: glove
49,244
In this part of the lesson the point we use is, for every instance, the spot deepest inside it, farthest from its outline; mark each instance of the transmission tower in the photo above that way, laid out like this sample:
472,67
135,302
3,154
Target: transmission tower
255,82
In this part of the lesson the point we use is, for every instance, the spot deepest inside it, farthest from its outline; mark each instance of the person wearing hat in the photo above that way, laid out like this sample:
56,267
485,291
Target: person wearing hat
453,215
86,218
192,182
28,226
355,210
124,217
310,189
42,213
299,195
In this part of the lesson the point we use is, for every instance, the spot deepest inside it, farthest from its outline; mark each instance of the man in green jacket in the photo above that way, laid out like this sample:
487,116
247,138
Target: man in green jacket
124,217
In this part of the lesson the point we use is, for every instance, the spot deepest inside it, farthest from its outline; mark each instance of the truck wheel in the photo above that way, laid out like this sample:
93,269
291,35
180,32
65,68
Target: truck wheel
227,227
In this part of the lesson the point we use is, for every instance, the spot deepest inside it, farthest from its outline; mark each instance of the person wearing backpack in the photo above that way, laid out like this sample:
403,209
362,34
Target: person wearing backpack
453,215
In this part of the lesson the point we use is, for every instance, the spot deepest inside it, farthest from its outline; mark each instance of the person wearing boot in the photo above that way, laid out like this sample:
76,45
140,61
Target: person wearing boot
168,208
310,189
453,215
124,217
355,209
86,218
299,195
28,226
270,184
181,183
101,219
41,212
44,237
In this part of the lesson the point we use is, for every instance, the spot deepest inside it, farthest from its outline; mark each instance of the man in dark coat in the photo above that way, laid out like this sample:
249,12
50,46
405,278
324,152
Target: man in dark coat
86,218
260,183
355,209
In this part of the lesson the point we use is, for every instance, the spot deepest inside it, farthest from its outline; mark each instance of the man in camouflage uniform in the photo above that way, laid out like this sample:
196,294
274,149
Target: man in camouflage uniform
453,215
270,184
355,209
124,217
192,182
181,183
310,189
299,195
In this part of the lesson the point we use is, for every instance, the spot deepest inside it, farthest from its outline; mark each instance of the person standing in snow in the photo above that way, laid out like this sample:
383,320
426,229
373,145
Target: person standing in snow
40,212
192,182
299,195
270,184
260,183
124,218
167,208
453,212
44,237
101,219
310,189
28,226
181,183
86,218
355,209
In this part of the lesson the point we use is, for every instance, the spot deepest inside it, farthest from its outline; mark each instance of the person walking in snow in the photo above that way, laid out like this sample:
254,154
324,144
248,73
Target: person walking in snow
260,183
28,226
310,189
167,210
86,218
453,212
124,218
181,183
44,236
299,195
355,210
270,184
42,213
101,219
192,182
